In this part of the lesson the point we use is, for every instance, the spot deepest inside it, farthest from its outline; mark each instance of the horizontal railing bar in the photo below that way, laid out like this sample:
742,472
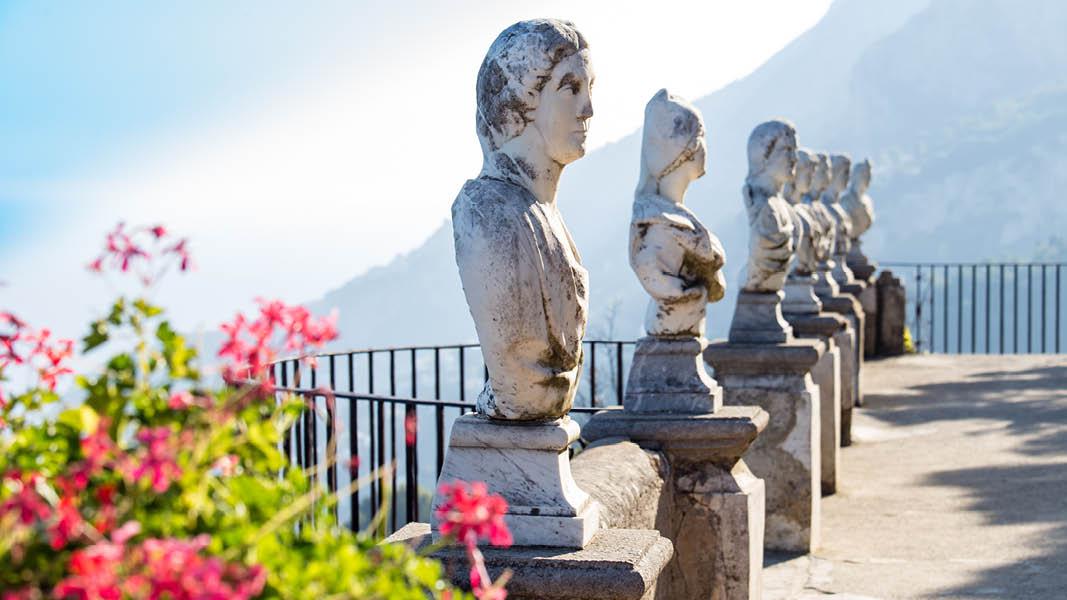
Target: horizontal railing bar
414,401
320,392
385,349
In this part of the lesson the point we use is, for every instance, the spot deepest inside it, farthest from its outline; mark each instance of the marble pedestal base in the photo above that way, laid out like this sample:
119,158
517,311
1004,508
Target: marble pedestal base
861,266
758,319
716,514
668,375
786,455
825,285
848,307
527,464
827,375
869,303
891,315
856,290
616,563
841,271
799,296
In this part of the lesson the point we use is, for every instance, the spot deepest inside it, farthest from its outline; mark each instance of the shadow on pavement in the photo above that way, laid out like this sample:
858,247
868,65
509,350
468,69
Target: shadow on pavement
1032,404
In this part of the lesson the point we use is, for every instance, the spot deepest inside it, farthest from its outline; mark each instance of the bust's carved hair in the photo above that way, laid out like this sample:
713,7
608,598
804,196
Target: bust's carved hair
840,165
670,138
517,66
762,141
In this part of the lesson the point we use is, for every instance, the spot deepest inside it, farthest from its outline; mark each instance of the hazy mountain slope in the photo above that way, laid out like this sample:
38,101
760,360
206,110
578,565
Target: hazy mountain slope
960,103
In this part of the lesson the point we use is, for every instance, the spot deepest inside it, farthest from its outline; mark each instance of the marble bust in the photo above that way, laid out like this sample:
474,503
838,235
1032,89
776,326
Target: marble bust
860,210
772,158
677,260
839,173
825,285
771,162
809,238
855,201
521,272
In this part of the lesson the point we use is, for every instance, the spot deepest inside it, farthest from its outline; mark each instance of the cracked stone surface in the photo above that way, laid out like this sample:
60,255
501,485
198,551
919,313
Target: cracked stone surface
955,486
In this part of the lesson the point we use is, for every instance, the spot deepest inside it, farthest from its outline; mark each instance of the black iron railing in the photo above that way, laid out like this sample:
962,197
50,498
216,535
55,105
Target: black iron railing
990,308
367,409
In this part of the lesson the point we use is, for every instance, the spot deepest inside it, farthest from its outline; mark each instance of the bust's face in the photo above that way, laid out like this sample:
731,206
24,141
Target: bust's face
803,177
564,108
700,159
782,162
820,177
864,179
696,166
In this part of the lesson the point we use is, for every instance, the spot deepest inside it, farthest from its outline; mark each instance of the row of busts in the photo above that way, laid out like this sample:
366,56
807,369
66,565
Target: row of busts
521,272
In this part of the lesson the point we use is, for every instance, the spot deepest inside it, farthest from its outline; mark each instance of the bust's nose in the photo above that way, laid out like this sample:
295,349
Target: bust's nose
586,110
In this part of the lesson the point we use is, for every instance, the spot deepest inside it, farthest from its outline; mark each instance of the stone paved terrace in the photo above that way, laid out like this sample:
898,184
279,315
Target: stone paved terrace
955,487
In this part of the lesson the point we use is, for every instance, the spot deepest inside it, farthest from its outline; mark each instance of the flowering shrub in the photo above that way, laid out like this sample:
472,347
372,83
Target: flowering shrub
156,484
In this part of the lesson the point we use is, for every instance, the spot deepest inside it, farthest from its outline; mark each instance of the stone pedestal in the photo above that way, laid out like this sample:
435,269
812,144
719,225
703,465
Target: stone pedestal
869,303
856,290
777,378
891,314
528,464
716,513
615,564
862,268
825,327
848,344
863,271
841,272
668,375
799,296
758,319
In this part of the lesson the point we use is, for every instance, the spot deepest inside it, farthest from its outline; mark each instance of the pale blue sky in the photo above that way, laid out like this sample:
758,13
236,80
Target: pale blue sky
291,141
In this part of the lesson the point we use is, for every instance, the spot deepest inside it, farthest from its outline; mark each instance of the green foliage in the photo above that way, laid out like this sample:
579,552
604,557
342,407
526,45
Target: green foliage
231,480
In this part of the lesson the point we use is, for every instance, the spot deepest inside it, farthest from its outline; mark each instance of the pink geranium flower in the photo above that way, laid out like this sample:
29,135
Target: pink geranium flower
470,513
156,460
143,250
250,345
26,503
67,524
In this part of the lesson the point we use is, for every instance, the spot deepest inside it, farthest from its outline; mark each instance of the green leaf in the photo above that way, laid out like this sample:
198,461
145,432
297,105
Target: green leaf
82,419
177,354
117,311
147,309
98,334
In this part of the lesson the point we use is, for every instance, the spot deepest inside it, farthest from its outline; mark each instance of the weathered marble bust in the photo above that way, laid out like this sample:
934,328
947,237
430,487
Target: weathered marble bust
809,238
839,171
820,181
771,160
678,261
521,272
825,284
840,165
807,233
772,157
855,200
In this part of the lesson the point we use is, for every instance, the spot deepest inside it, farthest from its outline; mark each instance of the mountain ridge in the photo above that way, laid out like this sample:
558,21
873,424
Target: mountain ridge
848,84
